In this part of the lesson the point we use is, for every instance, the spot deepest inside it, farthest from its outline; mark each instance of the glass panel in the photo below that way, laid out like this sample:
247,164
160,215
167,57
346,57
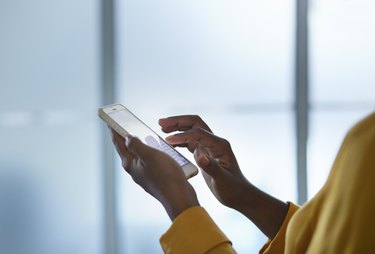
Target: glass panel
327,131
50,167
239,51
46,208
229,61
342,39
49,55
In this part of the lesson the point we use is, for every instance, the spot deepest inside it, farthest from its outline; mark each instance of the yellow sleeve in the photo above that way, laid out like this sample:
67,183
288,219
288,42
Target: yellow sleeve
277,244
193,231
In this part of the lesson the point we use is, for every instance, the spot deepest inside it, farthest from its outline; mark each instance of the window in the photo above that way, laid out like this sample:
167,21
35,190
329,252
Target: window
232,62
342,39
213,59
50,174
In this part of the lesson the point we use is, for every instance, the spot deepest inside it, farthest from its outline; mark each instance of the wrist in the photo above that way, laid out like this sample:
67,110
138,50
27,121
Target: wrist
242,196
177,202
265,211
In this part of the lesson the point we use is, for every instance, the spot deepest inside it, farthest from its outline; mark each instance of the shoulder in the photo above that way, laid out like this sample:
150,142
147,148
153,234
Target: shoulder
363,131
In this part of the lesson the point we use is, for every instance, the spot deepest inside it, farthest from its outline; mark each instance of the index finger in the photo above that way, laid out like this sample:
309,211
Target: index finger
182,123
215,145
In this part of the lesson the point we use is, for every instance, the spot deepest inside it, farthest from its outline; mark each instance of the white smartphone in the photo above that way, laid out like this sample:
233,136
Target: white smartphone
125,122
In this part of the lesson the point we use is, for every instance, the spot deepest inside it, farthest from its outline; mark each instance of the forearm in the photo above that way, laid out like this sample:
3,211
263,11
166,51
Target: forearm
265,211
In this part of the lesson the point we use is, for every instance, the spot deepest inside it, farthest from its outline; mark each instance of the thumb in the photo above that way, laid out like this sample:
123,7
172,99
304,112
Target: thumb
209,165
136,147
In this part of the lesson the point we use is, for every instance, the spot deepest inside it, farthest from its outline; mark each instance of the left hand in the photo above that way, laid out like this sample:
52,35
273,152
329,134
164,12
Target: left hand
157,173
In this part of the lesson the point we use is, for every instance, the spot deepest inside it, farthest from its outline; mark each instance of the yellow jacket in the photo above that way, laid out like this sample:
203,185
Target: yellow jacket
339,219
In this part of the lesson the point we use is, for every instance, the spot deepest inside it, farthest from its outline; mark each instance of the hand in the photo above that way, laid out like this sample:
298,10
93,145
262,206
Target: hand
222,173
157,173
213,155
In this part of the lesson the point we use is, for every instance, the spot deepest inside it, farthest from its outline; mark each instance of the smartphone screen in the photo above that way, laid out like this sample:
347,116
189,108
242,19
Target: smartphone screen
138,129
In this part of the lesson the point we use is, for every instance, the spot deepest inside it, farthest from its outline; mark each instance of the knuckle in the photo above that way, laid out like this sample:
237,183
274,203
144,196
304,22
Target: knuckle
131,141
225,142
197,118
198,122
124,164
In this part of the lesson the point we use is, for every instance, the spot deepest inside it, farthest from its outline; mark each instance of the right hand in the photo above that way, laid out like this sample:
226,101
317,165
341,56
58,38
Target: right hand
212,154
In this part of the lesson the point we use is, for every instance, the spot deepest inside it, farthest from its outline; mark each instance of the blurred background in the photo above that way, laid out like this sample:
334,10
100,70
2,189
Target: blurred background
282,80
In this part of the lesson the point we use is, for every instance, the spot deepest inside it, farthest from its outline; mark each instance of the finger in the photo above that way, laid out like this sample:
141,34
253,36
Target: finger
182,123
119,143
208,164
215,145
126,156
137,148
201,155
